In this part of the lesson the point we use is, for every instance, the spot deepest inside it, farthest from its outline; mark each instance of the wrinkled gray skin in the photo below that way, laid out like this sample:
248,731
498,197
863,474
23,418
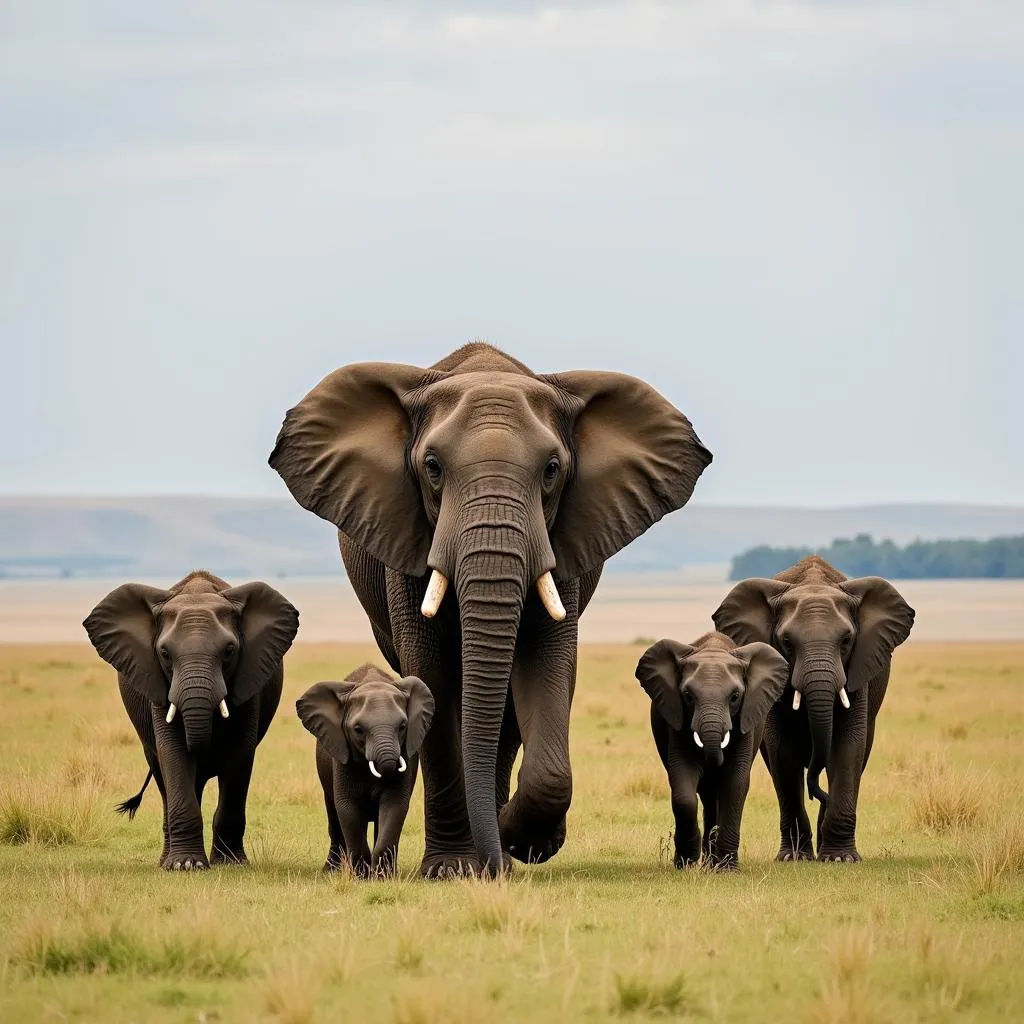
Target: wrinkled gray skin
492,475
369,717
196,644
835,633
711,689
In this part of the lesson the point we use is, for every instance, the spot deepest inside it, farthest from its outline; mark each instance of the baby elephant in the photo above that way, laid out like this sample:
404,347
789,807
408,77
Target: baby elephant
709,705
199,670
369,730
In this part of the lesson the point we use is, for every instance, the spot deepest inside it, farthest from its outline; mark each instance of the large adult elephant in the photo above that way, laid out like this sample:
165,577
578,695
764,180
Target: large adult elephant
514,488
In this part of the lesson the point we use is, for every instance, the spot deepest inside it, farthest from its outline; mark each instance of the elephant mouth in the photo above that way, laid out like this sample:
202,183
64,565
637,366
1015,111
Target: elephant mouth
546,589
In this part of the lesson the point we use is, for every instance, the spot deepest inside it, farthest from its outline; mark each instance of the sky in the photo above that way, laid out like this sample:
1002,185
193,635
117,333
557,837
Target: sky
802,222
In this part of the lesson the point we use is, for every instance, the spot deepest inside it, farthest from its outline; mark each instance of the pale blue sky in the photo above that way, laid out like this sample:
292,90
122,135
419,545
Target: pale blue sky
803,222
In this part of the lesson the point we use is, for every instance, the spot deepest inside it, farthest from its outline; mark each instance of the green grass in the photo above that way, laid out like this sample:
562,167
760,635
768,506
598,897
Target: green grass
928,928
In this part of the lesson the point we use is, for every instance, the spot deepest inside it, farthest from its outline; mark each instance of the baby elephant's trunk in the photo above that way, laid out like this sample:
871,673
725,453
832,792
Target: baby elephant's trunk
384,752
713,737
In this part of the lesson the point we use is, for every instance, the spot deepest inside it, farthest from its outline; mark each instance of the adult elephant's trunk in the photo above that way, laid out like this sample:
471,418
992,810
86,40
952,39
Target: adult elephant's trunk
820,683
491,586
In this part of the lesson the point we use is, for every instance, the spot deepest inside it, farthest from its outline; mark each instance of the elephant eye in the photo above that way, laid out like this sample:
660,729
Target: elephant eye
736,697
358,729
401,728
432,466
229,651
787,643
165,654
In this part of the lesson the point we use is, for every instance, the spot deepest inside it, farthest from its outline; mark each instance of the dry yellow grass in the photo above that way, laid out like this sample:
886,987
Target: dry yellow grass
926,928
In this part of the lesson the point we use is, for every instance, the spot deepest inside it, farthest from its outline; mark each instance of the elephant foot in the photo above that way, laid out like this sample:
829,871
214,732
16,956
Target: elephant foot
533,847
224,854
788,853
185,862
335,859
724,862
839,855
439,866
685,860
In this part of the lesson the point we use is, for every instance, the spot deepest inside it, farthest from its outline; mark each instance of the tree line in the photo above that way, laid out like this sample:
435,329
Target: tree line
999,558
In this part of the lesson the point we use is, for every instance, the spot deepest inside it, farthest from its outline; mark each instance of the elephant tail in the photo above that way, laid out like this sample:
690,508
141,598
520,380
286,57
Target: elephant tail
131,805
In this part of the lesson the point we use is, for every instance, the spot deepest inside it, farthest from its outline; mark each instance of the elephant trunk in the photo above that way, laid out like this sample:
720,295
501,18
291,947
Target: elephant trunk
383,751
491,589
712,736
196,690
819,686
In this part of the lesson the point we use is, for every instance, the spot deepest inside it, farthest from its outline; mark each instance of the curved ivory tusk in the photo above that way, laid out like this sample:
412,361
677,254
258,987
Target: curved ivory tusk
435,594
401,763
170,714
725,738
844,698
223,709
796,700
549,596
373,771
696,739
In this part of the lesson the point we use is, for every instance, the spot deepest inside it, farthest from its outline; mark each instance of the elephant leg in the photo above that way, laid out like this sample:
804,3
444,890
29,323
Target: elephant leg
532,823
837,840
684,779
394,806
353,827
229,818
184,843
786,765
733,787
707,790
325,772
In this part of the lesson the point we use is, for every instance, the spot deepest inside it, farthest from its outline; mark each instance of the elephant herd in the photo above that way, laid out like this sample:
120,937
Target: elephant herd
476,503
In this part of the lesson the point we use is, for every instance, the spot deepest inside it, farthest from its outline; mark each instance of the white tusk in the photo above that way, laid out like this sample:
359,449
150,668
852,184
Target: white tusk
844,698
373,771
696,739
223,709
435,594
170,714
549,596
796,700
725,739
401,763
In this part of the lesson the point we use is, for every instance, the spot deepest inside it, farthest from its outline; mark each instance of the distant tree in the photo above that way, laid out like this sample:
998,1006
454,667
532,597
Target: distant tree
999,558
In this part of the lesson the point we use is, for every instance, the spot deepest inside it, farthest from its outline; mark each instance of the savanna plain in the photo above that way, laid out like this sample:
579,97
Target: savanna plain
928,928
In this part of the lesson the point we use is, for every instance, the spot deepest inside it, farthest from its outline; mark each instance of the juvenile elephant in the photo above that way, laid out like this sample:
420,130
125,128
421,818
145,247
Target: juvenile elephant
514,488
838,636
709,703
369,731
199,670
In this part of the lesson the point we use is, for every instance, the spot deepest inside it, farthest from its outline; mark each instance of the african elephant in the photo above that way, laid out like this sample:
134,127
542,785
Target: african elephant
499,481
838,636
707,697
199,670
369,731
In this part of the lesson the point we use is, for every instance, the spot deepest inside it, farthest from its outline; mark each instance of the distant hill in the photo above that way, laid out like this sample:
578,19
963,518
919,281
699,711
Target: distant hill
167,536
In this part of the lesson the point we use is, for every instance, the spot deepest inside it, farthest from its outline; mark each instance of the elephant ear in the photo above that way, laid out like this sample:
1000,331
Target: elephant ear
636,458
122,628
745,616
419,708
342,452
884,621
659,671
767,673
321,709
268,624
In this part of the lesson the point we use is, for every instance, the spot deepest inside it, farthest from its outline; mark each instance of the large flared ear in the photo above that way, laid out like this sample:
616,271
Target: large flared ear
636,458
268,624
767,673
321,709
342,451
745,616
122,628
884,621
660,672
419,708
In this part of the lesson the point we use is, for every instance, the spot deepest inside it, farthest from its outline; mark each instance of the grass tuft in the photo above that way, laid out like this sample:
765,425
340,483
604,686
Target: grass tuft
43,814
846,995
291,991
645,784
112,948
642,993
945,802
85,768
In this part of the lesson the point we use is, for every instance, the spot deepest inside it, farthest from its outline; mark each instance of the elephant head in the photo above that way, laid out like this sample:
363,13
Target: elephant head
712,688
499,482
836,634
379,719
194,652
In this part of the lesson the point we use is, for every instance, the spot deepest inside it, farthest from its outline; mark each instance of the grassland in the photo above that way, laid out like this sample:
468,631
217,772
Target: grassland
929,928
